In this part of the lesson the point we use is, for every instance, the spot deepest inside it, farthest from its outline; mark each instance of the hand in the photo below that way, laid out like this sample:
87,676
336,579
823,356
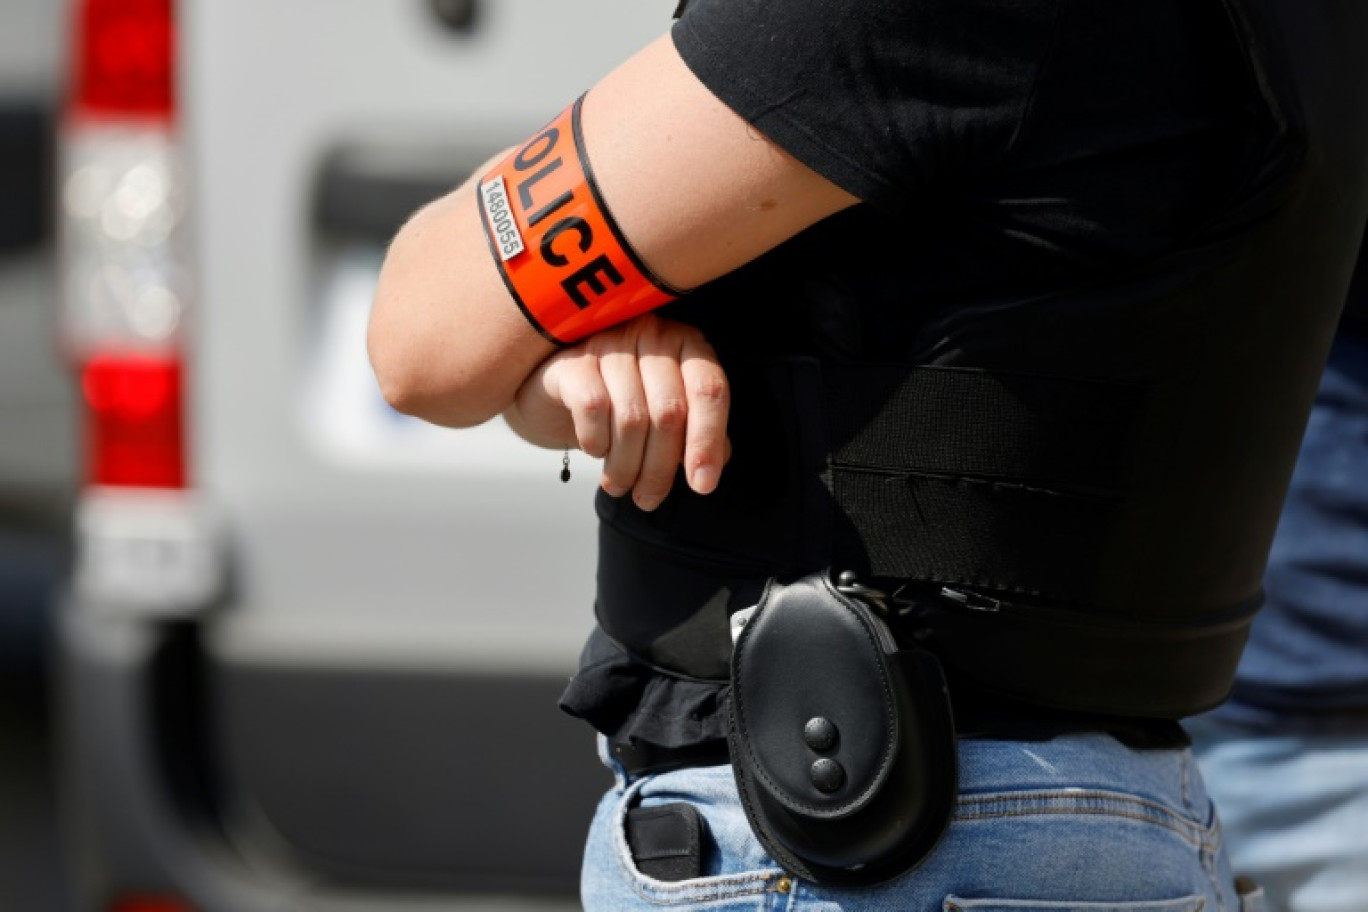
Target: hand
646,396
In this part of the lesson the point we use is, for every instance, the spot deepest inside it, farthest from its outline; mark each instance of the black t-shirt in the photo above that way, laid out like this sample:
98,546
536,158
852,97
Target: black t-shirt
1355,318
1002,149
1043,137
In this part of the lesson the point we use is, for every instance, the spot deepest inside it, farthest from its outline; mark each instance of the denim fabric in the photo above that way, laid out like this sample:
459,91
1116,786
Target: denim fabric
1077,824
1295,810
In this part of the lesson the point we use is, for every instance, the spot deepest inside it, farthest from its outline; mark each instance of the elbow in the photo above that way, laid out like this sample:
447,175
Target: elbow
426,360
397,337
408,390
398,386
400,383
400,357
416,378
390,345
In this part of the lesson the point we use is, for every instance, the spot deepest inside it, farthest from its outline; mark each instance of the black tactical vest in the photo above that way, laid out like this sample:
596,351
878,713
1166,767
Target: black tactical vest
1076,486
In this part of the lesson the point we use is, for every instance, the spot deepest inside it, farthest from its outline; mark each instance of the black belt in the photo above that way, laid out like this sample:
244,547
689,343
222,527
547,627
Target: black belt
671,611
981,717
641,758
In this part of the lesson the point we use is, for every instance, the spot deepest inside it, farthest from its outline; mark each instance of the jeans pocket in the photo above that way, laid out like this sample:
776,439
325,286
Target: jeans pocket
736,869
1193,903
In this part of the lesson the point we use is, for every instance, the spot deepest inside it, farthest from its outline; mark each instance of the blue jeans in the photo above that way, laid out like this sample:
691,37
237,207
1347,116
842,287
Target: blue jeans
1077,824
1296,810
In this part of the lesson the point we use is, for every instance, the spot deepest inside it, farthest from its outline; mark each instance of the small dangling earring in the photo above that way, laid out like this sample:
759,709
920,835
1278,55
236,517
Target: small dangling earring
565,466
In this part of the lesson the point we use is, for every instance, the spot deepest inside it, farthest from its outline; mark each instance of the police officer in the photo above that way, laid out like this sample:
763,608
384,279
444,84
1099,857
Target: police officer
1012,312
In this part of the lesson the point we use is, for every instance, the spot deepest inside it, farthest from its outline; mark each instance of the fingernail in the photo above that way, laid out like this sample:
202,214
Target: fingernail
703,479
614,490
648,502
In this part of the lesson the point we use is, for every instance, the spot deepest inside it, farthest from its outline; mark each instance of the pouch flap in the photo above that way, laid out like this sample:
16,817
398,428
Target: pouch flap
813,701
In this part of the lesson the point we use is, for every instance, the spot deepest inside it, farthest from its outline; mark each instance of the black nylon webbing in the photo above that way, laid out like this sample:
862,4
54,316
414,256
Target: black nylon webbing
1006,481
1038,430
980,534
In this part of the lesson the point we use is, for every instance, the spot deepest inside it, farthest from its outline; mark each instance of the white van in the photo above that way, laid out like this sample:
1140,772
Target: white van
312,650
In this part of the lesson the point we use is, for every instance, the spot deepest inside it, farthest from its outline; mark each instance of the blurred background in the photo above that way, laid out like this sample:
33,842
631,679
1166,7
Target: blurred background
264,643
38,453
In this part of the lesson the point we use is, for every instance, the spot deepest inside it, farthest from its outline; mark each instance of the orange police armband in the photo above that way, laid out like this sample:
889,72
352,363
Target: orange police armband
561,254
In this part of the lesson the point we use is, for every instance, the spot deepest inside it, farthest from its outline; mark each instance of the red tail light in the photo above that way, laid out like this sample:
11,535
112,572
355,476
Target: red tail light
125,61
133,417
125,276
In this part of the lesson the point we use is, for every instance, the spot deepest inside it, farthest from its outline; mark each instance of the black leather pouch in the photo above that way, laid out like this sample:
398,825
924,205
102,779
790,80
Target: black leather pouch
843,743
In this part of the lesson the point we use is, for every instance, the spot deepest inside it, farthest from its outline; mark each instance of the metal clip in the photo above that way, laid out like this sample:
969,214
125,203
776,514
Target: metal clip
739,620
849,584
972,600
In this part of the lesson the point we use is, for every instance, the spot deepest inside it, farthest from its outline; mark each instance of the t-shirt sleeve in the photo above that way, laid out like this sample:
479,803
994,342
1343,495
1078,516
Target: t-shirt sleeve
888,99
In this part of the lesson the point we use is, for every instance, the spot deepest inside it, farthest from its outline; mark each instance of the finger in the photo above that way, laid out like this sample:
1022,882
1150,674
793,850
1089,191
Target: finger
628,423
706,447
669,410
581,388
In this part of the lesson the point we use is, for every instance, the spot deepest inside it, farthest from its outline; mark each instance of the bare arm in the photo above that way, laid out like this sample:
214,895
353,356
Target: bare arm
695,189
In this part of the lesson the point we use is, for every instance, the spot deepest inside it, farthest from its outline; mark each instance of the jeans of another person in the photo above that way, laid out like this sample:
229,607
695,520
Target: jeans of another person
1079,823
1295,808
